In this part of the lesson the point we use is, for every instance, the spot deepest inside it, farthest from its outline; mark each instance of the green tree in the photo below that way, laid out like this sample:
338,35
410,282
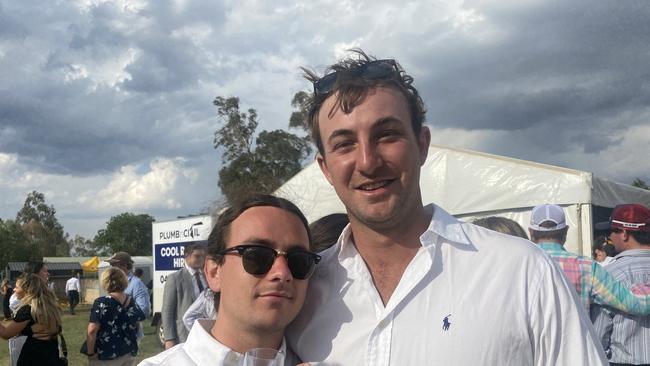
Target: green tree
44,234
125,232
236,135
260,168
639,183
13,242
300,115
82,247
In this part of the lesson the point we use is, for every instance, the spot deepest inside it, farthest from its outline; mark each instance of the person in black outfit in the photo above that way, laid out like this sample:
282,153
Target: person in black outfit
111,334
39,319
7,291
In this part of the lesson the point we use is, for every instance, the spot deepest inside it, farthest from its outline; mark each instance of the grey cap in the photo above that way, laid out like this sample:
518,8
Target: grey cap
547,213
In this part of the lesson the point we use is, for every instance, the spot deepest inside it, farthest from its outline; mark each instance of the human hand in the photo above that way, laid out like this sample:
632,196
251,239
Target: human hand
169,344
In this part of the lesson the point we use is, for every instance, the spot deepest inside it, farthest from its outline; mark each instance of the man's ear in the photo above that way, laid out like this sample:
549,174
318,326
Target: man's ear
323,167
424,140
212,274
626,235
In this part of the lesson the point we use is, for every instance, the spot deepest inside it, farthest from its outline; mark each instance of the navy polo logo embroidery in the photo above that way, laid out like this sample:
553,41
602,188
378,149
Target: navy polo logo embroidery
446,323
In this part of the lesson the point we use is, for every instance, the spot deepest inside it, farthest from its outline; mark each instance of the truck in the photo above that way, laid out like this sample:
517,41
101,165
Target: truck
169,239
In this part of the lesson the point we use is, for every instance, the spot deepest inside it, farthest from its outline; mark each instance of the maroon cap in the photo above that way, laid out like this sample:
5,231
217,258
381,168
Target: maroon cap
632,216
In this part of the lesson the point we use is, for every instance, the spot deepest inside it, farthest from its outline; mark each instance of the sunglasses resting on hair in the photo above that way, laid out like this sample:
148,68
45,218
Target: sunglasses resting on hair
372,70
258,259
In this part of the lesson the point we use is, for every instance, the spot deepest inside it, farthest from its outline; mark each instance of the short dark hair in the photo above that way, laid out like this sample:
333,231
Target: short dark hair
326,231
502,225
138,272
600,243
189,248
557,236
221,230
643,237
352,89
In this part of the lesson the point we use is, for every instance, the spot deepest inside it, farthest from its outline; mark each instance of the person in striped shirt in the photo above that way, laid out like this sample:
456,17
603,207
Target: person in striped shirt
593,284
626,338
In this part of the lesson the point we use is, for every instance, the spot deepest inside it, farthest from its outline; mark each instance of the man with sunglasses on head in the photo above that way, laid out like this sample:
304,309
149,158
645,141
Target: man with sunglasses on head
626,338
258,260
409,284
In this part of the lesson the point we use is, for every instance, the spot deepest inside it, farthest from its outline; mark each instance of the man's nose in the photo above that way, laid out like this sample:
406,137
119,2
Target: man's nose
368,158
280,270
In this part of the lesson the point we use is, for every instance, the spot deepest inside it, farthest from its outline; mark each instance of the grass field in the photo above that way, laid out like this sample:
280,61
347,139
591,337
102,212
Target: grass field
74,331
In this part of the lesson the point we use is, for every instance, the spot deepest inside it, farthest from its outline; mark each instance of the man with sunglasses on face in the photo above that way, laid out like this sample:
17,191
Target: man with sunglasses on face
258,260
409,284
626,338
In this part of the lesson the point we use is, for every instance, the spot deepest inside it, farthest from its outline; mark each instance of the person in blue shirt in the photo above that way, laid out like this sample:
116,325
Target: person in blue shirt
136,288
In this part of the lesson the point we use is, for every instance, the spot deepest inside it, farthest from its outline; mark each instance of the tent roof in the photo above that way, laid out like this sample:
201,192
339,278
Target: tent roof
70,259
51,266
138,260
465,182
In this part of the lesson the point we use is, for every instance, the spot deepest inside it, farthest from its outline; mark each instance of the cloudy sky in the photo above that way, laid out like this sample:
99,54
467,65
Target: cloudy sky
106,106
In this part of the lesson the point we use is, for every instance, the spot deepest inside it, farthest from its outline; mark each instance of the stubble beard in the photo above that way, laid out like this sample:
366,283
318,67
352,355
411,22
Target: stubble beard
400,216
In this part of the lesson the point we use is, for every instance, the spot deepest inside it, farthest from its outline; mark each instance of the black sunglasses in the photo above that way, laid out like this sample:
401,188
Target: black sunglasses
372,70
258,259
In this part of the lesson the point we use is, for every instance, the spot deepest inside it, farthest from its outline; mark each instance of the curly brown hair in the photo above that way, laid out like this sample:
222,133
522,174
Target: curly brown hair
351,87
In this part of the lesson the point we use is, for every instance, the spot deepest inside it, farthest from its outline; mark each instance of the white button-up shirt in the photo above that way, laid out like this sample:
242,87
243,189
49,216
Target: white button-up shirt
72,284
470,296
201,349
195,285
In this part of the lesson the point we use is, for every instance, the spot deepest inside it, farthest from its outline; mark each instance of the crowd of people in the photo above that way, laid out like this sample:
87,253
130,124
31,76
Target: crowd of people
392,281
400,283
33,317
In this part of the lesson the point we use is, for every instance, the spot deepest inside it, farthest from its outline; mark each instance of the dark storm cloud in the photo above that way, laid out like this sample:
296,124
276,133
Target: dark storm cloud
59,121
570,72
117,95
162,69
61,132
168,63
61,114
570,66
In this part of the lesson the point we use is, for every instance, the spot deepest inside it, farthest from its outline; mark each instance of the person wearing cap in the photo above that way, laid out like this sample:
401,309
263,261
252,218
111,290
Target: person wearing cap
592,282
626,338
136,288
258,260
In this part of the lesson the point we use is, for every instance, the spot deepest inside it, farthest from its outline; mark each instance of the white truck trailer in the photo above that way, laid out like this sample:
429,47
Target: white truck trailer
169,239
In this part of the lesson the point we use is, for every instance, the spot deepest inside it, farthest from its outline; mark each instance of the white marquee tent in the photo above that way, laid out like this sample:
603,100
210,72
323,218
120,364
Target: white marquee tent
470,184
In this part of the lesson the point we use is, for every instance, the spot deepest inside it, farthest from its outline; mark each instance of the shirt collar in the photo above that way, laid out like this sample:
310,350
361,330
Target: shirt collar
190,269
442,225
633,253
203,349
